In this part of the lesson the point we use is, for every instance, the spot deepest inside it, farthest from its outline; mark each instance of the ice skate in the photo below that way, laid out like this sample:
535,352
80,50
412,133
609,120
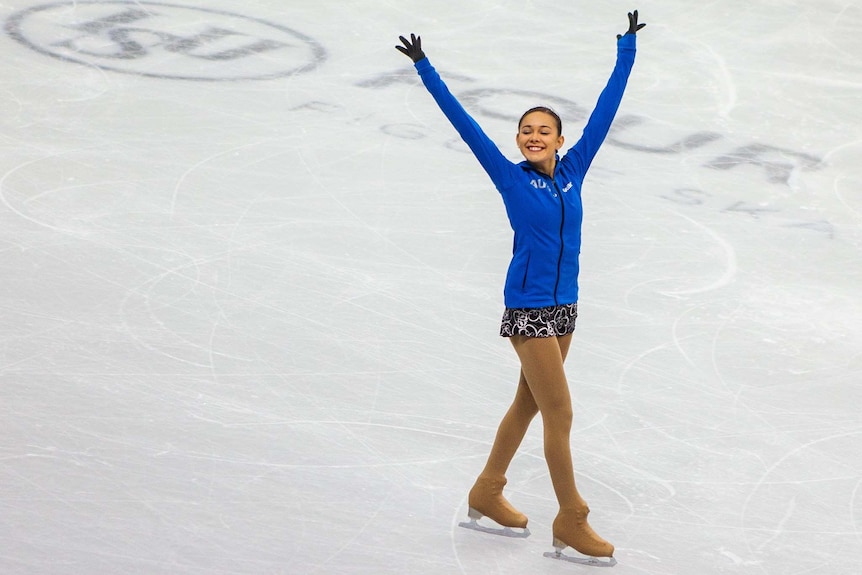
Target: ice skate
572,530
486,500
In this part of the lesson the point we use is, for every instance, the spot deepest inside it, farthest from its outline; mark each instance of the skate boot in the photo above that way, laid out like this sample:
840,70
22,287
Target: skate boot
572,530
486,500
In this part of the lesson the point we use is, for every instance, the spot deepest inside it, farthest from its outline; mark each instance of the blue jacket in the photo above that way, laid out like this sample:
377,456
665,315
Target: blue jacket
545,213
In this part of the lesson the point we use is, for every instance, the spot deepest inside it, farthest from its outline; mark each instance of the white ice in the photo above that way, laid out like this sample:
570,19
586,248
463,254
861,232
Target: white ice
250,326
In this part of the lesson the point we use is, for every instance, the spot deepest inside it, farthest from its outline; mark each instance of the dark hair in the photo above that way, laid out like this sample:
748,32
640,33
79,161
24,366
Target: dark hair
546,110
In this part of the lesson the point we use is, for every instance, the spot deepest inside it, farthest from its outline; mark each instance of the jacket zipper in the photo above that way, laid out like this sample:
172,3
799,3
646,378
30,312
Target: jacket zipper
562,241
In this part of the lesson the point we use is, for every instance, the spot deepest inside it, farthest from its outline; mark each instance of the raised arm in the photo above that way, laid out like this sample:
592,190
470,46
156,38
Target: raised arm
599,123
492,160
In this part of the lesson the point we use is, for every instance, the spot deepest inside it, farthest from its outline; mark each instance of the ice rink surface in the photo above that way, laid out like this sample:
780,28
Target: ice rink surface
251,282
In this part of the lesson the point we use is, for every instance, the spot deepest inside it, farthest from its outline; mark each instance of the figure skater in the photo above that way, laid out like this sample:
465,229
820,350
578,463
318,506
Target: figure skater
542,196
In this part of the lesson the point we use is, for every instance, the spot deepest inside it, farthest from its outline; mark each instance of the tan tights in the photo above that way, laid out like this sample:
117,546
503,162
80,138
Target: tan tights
542,388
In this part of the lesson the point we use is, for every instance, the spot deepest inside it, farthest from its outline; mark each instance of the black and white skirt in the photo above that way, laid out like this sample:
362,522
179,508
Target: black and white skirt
555,320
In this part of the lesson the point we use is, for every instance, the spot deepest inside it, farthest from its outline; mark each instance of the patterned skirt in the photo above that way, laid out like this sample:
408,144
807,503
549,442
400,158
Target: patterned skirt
555,320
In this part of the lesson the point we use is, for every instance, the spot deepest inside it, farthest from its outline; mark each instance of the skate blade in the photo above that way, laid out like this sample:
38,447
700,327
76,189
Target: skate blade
502,531
591,561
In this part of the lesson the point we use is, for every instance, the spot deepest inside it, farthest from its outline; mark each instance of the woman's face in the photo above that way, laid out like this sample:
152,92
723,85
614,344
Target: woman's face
538,138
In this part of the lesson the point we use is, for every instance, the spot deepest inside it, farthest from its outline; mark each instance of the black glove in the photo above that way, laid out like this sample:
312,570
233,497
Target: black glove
633,24
412,48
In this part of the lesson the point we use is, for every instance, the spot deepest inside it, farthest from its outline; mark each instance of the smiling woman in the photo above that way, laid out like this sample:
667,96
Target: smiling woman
540,137
542,196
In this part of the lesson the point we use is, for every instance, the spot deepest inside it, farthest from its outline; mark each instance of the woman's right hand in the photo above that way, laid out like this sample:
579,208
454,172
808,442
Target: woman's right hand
633,24
412,48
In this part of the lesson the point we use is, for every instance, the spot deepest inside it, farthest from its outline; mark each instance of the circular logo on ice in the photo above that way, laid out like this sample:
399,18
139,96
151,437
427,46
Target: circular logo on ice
165,40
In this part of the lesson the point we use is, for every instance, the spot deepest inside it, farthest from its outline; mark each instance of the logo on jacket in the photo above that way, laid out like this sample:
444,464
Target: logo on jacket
539,184
568,187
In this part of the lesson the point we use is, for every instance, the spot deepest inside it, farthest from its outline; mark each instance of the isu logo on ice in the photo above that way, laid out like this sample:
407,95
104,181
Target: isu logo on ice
165,40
